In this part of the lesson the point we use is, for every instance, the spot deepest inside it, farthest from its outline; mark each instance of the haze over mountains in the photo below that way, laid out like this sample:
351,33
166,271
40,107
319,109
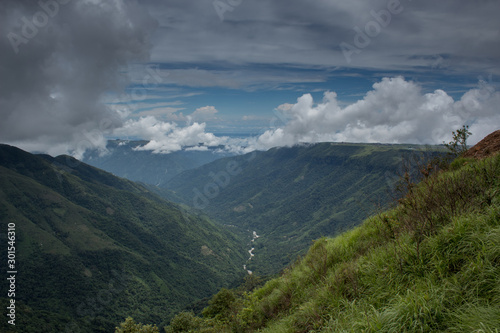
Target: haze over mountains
124,159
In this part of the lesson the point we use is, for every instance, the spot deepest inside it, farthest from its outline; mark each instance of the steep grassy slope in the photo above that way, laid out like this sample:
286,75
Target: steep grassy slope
431,264
92,248
291,196
124,160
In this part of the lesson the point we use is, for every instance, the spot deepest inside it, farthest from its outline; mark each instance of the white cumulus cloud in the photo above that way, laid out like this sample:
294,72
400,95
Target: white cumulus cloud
205,113
166,137
395,111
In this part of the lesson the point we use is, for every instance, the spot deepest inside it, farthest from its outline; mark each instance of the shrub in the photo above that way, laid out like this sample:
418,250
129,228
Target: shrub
458,145
184,322
130,326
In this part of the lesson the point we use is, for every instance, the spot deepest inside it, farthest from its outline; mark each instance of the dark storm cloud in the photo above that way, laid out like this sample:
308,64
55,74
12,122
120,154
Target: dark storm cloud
57,60
426,38
384,34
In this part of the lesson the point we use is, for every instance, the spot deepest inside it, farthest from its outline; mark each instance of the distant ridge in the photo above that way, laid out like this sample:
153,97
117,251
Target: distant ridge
293,195
126,159
429,264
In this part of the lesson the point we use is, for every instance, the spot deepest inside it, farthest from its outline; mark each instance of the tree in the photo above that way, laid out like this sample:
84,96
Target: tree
129,326
184,322
458,145
221,306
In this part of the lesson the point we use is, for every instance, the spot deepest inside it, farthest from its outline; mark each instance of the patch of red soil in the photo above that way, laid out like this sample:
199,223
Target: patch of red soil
488,146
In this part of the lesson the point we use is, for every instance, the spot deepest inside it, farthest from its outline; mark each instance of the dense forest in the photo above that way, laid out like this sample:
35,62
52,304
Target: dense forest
431,263
93,248
294,195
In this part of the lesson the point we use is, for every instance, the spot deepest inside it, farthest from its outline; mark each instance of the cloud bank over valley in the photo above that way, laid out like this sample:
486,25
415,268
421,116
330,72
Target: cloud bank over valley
245,75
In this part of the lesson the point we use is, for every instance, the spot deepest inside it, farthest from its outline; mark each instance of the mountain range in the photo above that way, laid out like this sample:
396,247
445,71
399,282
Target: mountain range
293,195
126,159
92,248
431,263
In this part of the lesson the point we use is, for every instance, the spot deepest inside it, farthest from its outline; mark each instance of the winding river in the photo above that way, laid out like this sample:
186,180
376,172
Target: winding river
254,237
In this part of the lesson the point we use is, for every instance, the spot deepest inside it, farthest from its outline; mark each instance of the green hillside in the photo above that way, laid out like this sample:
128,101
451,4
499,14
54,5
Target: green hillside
291,196
92,248
431,264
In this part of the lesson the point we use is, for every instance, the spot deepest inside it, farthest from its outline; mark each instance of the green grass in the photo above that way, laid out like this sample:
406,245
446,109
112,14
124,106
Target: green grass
431,264
299,193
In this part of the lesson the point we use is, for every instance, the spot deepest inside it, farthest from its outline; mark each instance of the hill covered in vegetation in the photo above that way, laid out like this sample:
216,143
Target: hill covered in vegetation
91,248
430,264
293,195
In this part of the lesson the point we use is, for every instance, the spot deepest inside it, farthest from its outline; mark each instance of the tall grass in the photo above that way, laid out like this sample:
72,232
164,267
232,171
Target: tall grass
431,264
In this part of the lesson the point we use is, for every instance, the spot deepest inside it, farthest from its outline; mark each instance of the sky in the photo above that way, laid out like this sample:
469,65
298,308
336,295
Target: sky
245,74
